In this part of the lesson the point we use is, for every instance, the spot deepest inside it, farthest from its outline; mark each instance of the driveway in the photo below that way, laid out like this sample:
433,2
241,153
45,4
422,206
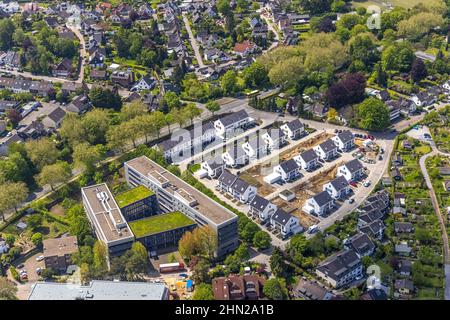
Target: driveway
30,265
193,42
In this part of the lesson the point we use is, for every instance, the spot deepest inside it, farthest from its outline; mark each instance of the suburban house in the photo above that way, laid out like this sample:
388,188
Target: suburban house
403,227
344,140
97,59
404,267
262,208
367,218
58,252
326,150
236,187
340,269
424,99
79,104
320,204
288,170
352,170
54,119
285,223
244,48
70,87
308,160
337,188
182,143
214,167
236,287
123,78
311,290
4,247
374,229
254,148
145,83
404,286
242,190
63,68
360,244
235,156
226,126
274,139
294,129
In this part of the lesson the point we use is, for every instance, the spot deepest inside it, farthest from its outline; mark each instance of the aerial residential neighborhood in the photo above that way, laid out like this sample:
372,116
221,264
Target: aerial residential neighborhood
224,150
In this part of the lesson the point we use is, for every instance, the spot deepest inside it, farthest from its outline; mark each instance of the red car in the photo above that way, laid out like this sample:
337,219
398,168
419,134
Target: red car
371,137
353,184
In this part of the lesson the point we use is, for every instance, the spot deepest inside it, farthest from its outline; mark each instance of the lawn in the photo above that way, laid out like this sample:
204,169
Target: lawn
159,223
131,196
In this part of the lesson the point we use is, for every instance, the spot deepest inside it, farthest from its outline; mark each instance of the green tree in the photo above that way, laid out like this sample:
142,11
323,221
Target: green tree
42,152
261,240
373,115
277,262
132,110
105,98
275,289
249,231
203,292
213,106
13,194
228,83
100,265
8,289
53,174
36,238
171,100
86,156
201,272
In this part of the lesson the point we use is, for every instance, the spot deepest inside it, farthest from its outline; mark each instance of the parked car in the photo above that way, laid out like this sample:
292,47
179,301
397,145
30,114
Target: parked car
40,258
351,200
313,229
38,271
353,184
20,266
366,184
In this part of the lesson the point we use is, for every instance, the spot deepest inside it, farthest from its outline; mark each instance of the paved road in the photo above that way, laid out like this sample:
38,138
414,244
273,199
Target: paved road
271,27
438,212
193,42
83,53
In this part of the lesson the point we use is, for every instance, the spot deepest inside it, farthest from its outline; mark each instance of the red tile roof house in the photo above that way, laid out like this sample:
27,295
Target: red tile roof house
248,287
244,48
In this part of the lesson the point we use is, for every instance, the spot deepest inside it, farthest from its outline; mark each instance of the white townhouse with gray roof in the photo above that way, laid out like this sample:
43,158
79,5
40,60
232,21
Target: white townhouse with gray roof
337,188
345,140
214,166
235,156
320,204
352,170
293,130
285,223
288,170
327,150
226,126
255,148
262,208
274,139
236,187
308,160
340,269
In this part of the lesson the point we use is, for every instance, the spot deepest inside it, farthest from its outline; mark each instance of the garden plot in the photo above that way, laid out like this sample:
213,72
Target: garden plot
308,144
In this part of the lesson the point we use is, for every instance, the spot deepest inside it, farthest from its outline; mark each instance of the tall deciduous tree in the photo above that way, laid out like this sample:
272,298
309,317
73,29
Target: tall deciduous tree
373,115
53,174
42,152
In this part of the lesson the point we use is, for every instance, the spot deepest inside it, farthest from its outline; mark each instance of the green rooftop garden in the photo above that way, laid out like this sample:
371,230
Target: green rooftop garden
159,223
133,195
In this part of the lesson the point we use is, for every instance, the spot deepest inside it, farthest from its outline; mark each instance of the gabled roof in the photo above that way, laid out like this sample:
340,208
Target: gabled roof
361,244
354,166
227,178
57,115
339,264
240,185
340,183
259,203
373,228
345,136
308,155
289,165
327,145
322,198
215,162
281,217
233,118
295,125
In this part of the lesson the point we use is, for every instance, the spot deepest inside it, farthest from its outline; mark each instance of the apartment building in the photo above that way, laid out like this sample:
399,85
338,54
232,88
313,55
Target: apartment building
58,252
340,269
176,195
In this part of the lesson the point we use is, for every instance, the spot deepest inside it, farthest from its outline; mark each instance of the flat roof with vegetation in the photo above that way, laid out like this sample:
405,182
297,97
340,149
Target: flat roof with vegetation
131,196
159,223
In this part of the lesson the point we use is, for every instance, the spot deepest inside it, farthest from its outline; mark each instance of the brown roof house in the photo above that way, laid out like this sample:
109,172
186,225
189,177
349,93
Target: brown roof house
244,48
123,78
79,104
63,68
248,287
54,119
58,252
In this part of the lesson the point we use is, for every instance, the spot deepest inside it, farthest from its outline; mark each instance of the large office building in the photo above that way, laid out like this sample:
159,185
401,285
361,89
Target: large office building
106,218
99,290
176,195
